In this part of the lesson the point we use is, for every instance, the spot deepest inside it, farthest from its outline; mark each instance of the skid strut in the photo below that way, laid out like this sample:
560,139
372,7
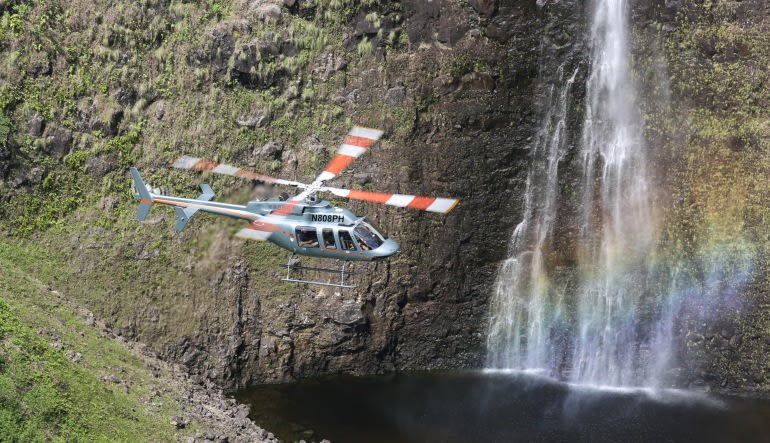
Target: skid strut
292,266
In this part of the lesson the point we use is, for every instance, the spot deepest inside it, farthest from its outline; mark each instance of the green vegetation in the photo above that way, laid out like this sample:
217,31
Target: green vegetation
56,374
719,103
6,127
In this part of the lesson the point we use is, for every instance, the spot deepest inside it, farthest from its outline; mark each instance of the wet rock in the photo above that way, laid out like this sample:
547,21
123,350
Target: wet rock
39,64
160,110
271,150
105,116
727,331
395,96
216,51
421,24
485,7
265,11
125,97
73,356
247,122
178,422
60,141
312,144
257,120
101,165
36,125
451,29
26,177
477,81
5,160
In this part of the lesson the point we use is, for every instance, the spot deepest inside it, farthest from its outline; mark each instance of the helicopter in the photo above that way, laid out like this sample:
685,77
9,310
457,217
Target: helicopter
303,224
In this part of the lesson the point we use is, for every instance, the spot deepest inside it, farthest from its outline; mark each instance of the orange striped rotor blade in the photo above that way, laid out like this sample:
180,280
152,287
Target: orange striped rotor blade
199,164
431,204
356,143
286,208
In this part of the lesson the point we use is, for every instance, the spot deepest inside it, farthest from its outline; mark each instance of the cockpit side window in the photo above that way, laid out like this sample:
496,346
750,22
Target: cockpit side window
367,237
347,241
307,237
328,237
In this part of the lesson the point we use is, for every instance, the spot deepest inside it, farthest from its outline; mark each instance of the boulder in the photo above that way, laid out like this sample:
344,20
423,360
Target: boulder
36,125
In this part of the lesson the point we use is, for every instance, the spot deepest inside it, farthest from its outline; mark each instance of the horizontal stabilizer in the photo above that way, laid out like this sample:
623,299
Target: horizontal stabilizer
183,215
253,234
208,193
144,210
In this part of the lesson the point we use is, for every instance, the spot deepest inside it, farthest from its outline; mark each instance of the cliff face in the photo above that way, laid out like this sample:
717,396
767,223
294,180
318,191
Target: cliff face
88,89
707,123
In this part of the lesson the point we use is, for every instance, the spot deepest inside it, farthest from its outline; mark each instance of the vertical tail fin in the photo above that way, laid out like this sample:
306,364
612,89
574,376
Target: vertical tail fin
143,194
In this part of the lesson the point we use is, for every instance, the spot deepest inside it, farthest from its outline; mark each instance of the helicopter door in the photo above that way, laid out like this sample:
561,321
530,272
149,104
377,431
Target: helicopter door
307,237
347,241
328,238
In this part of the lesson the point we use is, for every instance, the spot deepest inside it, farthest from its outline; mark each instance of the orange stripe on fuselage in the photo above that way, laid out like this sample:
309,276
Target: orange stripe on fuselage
421,202
338,163
286,208
211,208
253,218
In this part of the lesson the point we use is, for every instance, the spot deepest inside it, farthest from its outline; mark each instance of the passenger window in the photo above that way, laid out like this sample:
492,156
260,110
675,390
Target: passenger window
347,241
328,236
307,237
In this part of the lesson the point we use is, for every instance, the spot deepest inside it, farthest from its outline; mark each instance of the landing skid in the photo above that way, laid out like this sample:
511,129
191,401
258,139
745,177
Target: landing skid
293,265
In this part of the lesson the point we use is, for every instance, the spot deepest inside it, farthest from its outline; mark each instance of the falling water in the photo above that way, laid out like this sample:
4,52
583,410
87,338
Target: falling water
591,330
615,234
525,306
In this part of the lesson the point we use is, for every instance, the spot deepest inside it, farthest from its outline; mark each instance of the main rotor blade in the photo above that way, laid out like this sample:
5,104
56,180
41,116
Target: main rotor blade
358,141
286,208
257,230
198,164
432,204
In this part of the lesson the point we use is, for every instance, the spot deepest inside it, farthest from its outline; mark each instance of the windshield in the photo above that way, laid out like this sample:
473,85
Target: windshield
368,237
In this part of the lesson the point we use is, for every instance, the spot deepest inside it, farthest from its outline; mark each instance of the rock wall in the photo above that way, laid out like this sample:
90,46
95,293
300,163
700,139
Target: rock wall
273,86
88,89
706,111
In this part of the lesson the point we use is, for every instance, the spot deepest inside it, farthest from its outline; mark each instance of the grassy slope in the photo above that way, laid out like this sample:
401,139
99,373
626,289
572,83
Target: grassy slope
47,393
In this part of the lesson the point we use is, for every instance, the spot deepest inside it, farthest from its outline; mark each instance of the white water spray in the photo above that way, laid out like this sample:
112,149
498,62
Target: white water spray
592,332
616,230
524,307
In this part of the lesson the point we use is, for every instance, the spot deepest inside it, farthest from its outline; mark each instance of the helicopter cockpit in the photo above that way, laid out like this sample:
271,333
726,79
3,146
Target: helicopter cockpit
368,238
344,236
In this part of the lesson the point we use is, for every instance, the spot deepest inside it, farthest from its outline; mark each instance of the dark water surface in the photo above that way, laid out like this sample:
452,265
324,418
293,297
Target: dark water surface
497,407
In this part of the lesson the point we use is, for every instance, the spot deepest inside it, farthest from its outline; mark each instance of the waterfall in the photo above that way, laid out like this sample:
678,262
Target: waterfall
616,222
525,307
588,327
